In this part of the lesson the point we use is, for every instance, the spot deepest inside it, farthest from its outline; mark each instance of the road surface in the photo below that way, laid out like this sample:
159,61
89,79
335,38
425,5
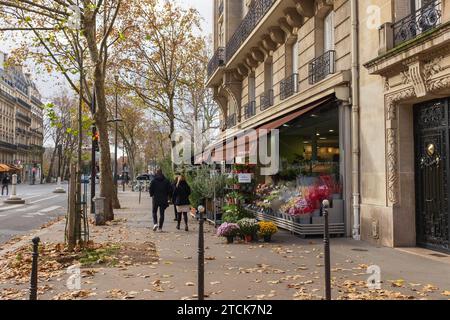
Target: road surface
41,206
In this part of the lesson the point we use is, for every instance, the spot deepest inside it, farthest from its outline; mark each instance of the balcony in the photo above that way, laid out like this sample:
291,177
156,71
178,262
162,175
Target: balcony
250,110
7,96
22,117
256,13
266,100
7,145
426,18
289,86
231,121
24,104
218,60
322,66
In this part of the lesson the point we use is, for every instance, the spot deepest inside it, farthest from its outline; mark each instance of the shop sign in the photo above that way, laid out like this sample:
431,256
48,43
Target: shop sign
245,178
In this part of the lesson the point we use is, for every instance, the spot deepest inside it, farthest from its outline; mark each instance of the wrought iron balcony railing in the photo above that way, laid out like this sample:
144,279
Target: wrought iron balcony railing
8,145
256,12
289,86
426,18
322,66
250,109
231,121
6,95
221,4
216,61
266,100
24,104
23,117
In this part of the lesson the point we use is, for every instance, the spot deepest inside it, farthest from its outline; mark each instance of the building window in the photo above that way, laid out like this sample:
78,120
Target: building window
328,29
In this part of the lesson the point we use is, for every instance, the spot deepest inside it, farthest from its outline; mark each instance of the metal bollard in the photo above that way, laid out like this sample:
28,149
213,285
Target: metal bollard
140,192
201,255
34,269
326,242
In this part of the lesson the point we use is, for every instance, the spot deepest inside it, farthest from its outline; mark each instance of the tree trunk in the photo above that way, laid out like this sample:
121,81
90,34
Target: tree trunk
72,211
48,179
106,177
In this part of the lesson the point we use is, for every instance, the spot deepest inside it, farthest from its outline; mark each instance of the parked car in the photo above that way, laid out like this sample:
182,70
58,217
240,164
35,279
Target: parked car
145,177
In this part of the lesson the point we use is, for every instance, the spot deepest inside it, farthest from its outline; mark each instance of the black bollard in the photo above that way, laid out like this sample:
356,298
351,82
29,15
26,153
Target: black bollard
201,255
140,192
326,242
34,269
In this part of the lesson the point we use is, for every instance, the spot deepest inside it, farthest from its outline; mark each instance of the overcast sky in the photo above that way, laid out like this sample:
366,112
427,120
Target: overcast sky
49,85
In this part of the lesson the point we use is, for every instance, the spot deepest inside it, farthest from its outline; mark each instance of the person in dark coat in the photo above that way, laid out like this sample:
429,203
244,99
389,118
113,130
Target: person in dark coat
160,191
5,183
181,195
174,184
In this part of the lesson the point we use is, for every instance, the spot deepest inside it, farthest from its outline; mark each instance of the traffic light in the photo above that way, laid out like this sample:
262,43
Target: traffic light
95,140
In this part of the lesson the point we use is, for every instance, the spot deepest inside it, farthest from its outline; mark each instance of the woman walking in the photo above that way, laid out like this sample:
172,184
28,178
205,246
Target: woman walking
181,196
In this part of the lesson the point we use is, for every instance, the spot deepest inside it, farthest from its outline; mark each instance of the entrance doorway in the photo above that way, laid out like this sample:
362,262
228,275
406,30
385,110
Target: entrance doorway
431,130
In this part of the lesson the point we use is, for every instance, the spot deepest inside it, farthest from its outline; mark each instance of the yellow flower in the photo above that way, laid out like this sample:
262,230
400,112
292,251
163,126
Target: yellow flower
267,228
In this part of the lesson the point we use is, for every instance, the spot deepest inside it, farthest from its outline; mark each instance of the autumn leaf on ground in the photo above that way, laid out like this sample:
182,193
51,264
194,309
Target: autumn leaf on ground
446,293
398,283
190,284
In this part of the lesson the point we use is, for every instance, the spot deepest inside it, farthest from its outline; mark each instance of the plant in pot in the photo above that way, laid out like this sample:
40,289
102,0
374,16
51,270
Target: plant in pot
228,230
267,229
248,227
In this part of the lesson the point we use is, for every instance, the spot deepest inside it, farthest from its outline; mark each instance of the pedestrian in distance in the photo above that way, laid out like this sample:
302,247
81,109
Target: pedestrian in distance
174,184
5,183
160,191
181,195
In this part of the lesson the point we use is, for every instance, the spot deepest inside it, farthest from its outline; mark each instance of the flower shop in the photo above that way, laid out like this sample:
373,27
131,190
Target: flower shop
311,170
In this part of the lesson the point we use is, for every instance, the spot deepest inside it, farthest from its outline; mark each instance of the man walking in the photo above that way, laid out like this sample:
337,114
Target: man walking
160,191
5,183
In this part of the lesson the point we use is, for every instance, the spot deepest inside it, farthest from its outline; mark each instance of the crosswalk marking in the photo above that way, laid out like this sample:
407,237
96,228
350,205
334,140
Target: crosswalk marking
40,200
27,208
11,207
49,209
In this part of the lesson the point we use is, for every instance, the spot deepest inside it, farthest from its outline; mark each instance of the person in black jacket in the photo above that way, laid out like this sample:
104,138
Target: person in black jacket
5,183
174,184
181,195
160,191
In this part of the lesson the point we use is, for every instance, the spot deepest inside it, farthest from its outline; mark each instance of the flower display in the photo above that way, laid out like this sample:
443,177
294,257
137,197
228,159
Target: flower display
297,206
248,226
267,228
228,229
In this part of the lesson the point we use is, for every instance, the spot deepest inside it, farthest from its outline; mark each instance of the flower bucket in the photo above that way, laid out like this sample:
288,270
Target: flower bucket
230,239
267,238
248,238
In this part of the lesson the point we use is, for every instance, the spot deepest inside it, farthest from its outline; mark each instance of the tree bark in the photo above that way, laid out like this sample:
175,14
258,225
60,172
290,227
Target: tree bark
48,179
106,178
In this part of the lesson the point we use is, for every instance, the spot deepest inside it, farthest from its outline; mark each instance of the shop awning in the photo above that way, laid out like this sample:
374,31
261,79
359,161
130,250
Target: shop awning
275,124
218,151
4,168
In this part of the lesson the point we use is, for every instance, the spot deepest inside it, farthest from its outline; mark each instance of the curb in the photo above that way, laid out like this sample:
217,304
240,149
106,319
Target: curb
27,239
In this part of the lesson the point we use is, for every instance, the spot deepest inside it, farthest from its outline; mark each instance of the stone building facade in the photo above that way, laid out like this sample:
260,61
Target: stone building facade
21,130
385,65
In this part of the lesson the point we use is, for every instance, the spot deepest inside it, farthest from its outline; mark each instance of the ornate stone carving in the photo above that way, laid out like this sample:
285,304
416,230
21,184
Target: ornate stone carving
392,165
439,84
391,106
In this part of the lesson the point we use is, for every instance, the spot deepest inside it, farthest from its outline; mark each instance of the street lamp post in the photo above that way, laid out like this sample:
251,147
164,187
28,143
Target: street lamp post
115,137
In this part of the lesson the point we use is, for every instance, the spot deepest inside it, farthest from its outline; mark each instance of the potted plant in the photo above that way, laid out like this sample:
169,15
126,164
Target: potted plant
267,229
248,227
228,230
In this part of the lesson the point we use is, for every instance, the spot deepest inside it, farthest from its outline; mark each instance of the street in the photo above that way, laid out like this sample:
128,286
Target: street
41,206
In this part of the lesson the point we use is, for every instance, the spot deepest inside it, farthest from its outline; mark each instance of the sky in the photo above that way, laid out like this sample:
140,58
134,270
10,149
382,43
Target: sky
49,85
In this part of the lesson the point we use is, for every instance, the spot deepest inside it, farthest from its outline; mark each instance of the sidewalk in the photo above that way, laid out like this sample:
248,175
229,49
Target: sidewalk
149,265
